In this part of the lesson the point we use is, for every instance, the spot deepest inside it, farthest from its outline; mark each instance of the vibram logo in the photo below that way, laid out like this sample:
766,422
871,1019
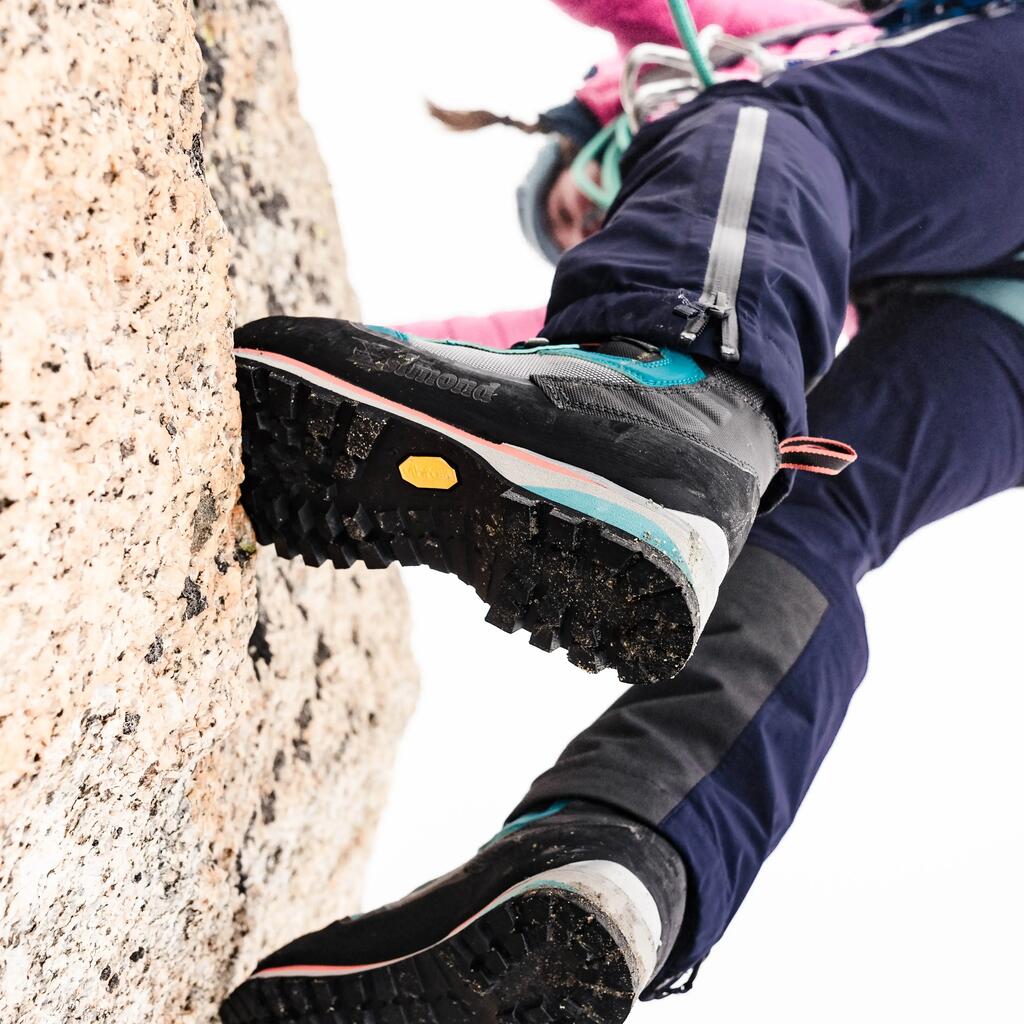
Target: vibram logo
428,472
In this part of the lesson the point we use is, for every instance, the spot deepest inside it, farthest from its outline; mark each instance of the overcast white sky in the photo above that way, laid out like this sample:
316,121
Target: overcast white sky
898,894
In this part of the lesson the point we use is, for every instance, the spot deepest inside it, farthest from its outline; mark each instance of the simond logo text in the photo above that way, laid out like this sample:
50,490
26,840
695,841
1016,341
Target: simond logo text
420,373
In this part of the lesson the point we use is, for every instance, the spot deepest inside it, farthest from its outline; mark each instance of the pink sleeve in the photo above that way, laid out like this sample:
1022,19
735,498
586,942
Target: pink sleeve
600,93
649,21
499,330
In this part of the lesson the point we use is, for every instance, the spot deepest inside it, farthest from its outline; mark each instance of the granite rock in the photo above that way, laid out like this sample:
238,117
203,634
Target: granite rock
195,736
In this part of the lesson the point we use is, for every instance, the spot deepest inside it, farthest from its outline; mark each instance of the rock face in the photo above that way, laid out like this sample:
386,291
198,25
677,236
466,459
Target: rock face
195,738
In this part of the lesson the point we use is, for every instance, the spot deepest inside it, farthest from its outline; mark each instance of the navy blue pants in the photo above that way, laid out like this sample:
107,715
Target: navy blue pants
904,160
931,393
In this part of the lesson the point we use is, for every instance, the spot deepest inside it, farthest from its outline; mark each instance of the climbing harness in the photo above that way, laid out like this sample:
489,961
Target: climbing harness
674,80
657,78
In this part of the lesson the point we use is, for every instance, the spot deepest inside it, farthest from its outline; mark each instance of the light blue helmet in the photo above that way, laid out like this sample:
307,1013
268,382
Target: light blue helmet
572,124
532,199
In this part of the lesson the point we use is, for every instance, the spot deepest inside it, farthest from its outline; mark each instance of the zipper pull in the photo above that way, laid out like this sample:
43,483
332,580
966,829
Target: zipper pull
730,346
695,324
700,313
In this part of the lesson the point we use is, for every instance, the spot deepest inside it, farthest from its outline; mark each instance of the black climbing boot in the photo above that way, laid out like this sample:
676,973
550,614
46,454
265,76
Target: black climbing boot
565,916
594,494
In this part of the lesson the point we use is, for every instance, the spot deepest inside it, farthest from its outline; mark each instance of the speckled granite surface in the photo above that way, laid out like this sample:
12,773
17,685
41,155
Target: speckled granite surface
195,740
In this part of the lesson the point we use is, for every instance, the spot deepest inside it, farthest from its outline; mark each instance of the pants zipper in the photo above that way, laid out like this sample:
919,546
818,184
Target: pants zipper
729,241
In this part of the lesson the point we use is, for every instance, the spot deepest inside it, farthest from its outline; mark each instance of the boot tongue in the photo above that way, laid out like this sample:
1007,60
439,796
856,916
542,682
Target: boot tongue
624,348
619,345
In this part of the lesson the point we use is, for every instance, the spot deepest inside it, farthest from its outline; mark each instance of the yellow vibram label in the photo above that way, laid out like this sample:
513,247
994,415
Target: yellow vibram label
429,472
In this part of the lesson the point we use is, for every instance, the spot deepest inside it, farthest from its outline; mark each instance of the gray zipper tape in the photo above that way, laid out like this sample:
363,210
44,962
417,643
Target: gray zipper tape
729,242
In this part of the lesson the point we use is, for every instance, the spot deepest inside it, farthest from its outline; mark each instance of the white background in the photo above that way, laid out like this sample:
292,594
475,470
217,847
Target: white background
899,893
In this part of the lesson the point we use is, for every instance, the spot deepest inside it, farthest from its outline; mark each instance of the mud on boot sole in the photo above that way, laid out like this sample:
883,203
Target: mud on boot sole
539,958
346,477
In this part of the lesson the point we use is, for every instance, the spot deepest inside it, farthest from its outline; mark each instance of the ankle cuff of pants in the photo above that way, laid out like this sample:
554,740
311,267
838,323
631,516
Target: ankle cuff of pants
651,316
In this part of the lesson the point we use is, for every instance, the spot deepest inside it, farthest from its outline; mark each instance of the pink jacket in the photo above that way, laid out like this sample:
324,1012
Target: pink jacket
649,21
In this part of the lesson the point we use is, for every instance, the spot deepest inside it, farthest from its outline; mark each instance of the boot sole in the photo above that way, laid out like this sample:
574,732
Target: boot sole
334,473
542,957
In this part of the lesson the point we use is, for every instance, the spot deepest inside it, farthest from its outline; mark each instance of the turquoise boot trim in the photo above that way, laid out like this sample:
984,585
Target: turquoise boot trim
615,515
673,369
526,819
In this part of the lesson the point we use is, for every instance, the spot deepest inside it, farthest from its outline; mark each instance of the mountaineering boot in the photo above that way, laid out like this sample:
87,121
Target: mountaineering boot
564,916
594,494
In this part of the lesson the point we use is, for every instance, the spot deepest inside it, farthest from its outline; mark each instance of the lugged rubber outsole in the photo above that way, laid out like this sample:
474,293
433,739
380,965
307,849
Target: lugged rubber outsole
323,481
538,958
